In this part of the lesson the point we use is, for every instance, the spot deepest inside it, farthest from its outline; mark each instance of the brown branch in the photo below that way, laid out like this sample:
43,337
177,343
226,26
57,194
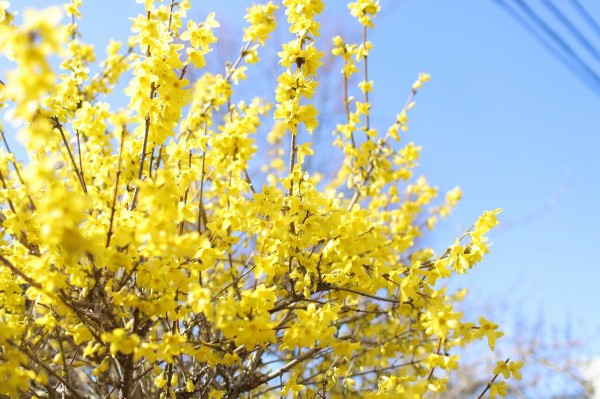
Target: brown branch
379,149
10,203
293,151
395,301
79,155
145,142
235,281
48,369
57,125
142,158
19,273
99,77
489,384
249,181
366,77
433,368
14,163
230,71
114,201
347,109
200,204
288,366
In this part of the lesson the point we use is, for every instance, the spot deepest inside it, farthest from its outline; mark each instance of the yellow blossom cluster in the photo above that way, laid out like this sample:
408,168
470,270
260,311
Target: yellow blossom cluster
140,256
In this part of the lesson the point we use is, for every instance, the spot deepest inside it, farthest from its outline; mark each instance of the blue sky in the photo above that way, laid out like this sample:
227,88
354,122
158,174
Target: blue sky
515,129
501,118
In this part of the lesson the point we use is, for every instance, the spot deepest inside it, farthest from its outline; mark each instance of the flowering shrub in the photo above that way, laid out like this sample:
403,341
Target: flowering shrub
141,259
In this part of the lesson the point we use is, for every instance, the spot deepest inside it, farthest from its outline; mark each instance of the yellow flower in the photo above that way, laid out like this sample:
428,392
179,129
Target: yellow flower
292,386
143,237
364,11
508,369
489,330
293,114
498,388
441,321
121,341
200,35
262,22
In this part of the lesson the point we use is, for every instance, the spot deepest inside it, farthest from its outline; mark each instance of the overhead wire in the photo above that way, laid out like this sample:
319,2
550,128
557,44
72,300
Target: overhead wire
559,15
586,16
552,42
547,29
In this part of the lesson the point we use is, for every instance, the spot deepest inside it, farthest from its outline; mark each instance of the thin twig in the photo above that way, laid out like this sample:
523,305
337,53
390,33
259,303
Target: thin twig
48,369
288,366
19,273
249,181
489,384
200,204
15,166
142,159
114,201
58,126
366,79
79,154
364,294
9,200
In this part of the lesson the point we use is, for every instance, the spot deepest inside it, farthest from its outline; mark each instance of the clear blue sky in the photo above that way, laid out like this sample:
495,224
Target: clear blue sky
512,126
501,118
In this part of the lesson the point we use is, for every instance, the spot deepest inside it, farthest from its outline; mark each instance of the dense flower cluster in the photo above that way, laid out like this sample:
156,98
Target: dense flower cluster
140,258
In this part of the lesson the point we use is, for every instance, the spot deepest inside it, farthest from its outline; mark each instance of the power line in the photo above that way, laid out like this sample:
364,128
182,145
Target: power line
552,42
535,33
557,39
573,29
586,16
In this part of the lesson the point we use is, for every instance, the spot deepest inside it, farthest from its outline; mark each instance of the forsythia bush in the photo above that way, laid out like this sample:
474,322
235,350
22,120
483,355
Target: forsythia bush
141,259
